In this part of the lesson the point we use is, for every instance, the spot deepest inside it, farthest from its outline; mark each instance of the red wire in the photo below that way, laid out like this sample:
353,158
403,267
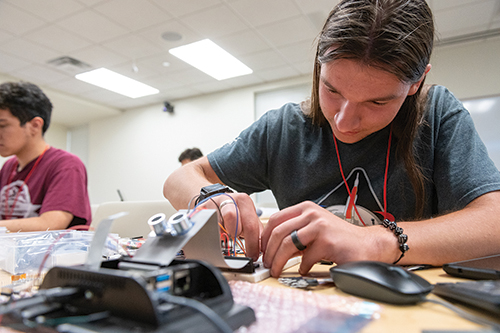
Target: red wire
387,169
227,241
385,173
345,181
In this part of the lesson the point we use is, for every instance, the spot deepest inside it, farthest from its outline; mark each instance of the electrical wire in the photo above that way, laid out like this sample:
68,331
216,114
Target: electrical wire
221,225
237,214
210,314
222,236
44,295
191,200
466,315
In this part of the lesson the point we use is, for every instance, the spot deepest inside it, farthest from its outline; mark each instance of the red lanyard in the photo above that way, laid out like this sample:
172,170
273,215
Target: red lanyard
8,213
384,213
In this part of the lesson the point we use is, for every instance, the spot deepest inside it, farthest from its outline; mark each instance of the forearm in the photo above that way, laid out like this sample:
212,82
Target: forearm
53,220
471,232
185,183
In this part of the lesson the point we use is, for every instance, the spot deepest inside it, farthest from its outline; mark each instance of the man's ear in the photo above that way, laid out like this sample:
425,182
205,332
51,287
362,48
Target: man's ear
36,125
414,87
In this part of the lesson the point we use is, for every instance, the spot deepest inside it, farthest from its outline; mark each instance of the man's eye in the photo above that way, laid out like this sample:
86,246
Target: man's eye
379,103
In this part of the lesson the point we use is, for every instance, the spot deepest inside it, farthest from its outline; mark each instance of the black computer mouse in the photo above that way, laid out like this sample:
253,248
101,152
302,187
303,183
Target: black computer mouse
381,282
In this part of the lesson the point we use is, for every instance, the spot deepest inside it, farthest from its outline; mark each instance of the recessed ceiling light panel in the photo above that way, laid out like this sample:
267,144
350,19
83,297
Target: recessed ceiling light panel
117,83
211,59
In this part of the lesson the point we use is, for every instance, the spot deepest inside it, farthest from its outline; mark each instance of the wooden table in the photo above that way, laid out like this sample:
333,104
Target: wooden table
408,319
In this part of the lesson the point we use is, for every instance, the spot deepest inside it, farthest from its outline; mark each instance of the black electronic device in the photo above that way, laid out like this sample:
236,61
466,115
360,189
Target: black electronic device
151,292
380,282
484,268
210,190
140,299
482,294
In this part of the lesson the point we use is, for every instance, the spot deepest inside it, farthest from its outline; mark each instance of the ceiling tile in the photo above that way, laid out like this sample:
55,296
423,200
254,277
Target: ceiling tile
73,86
104,96
98,56
471,18
260,12
178,93
5,36
189,76
154,34
163,83
438,5
138,74
40,74
243,81
17,21
298,52
132,46
10,63
278,73
308,6
156,63
212,86
263,60
180,8
133,14
57,39
28,50
92,26
215,22
244,42
288,32
305,67
48,10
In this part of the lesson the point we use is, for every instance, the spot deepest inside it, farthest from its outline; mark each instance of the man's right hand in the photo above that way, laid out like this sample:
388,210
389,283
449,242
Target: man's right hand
241,221
185,183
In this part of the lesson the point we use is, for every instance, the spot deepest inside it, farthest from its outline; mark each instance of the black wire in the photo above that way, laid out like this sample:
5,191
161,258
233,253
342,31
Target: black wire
41,297
210,314
466,315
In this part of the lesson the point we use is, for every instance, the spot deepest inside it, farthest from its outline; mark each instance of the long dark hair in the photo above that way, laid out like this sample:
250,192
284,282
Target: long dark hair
392,35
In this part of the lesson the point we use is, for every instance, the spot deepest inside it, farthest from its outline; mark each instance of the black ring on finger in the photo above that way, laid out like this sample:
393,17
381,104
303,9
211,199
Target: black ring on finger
296,241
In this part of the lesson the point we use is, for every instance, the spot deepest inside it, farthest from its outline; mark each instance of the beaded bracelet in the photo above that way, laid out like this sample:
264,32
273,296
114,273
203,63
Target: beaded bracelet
402,238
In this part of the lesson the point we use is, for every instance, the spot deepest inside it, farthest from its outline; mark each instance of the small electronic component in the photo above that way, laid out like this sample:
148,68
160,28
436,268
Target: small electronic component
177,224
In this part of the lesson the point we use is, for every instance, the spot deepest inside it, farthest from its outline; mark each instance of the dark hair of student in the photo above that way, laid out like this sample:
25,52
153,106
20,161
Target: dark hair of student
190,154
392,35
25,101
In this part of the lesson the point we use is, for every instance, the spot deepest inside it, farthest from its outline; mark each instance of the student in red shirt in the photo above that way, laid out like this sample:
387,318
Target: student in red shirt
41,187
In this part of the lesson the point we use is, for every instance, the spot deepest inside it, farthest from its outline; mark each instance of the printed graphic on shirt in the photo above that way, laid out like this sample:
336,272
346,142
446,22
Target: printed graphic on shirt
18,206
351,211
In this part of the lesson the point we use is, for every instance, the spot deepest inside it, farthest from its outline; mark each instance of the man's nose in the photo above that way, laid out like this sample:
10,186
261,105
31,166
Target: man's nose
348,118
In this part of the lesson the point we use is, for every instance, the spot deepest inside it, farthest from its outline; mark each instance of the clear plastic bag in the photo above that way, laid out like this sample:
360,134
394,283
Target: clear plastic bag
25,252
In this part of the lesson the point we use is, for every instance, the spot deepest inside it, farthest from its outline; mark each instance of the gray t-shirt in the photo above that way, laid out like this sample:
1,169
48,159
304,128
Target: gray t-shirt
297,161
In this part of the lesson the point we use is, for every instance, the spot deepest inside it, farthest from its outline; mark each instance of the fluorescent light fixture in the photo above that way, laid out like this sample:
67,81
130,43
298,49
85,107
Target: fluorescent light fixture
211,59
117,83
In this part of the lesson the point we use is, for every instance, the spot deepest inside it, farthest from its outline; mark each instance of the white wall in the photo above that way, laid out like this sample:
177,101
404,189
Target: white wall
136,151
469,70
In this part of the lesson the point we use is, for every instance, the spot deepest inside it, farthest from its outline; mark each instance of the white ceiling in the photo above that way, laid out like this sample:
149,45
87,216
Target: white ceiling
273,37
